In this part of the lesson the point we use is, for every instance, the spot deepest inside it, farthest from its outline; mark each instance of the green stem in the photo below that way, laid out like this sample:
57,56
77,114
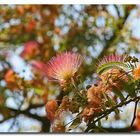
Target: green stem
77,90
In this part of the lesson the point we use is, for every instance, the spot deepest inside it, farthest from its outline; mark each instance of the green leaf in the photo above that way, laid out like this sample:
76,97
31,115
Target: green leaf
117,111
106,117
99,123
129,88
118,93
38,91
111,65
112,103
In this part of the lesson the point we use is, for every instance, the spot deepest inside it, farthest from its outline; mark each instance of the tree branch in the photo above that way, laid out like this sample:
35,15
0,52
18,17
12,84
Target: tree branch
134,116
108,111
110,42
45,122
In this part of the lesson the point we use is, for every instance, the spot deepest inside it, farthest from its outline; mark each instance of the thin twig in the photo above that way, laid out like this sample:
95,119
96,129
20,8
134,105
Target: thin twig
15,119
134,116
73,119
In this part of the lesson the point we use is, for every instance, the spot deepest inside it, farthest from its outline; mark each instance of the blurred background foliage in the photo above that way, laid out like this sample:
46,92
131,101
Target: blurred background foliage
38,32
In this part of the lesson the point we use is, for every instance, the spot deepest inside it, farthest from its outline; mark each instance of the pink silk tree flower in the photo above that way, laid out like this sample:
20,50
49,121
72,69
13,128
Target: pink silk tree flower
62,67
31,49
112,70
113,58
112,61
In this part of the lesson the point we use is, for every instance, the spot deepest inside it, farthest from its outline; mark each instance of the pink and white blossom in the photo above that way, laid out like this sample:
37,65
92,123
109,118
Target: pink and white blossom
61,67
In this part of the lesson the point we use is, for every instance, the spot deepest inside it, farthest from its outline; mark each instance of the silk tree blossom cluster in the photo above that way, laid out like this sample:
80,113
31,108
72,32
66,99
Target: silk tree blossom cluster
136,72
96,101
62,67
112,70
112,58
112,61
